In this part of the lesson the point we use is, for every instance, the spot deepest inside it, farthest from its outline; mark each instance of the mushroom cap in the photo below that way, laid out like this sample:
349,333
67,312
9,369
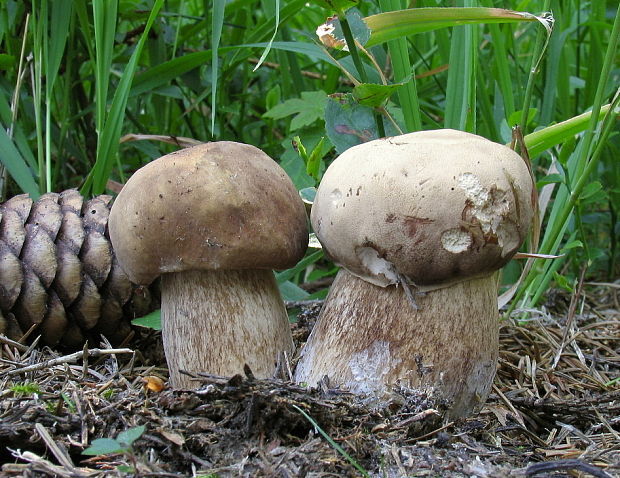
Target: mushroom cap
220,205
434,207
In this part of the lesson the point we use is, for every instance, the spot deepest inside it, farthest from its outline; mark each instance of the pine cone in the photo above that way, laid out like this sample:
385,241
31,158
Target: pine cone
58,273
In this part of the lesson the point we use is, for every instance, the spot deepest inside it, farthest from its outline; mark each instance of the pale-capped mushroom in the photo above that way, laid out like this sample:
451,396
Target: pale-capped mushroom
420,223
213,220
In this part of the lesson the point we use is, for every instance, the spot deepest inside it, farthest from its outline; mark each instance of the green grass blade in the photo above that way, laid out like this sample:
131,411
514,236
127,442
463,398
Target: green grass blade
485,103
461,90
554,58
39,22
542,39
551,136
408,94
81,11
581,166
107,146
273,37
331,441
53,52
502,69
18,138
16,166
217,20
59,30
104,17
163,73
309,49
392,25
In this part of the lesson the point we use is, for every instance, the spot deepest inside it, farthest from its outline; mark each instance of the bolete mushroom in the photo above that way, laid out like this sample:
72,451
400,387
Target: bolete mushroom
213,220
420,223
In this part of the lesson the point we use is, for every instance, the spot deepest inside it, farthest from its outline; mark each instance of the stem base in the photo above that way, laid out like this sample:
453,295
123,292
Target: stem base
368,338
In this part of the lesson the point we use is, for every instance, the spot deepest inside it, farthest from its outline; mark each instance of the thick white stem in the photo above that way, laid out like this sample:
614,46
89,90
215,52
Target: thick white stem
217,321
368,338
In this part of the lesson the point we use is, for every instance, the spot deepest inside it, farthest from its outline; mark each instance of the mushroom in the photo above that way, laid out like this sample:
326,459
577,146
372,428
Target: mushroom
213,220
420,224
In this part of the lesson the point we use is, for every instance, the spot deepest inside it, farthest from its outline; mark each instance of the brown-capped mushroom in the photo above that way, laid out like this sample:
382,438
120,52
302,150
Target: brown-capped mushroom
213,220
420,223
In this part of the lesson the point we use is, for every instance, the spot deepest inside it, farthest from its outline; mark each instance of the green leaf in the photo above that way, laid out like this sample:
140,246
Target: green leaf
151,321
401,23
301,265
590,190
337,5
70,403
550,179
104,446
308,195
300,148
273,97
563,282
371,94
291,291
6,61
313,164
129,436
515,118
576,244
125,469
348,123
295,168
307,109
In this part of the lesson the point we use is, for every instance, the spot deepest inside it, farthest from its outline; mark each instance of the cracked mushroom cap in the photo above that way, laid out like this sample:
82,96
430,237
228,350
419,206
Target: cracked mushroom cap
220,205
435,207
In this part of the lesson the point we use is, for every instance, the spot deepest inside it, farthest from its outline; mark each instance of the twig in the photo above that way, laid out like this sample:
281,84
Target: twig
579,465
431,433
303,303
5,340
570,318
517,416
36,463
67,359
60,455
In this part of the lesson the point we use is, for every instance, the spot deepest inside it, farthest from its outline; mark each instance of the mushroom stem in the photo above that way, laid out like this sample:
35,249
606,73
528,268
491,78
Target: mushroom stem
368,338
217,321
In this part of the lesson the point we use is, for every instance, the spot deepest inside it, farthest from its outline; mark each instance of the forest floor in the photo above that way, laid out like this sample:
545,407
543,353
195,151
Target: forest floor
554,411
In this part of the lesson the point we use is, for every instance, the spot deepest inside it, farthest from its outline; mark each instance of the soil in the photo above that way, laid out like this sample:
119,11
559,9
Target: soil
554,411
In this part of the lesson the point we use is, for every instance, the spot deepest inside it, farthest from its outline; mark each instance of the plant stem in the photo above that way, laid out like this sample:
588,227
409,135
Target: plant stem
348,37
357,61
539,47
